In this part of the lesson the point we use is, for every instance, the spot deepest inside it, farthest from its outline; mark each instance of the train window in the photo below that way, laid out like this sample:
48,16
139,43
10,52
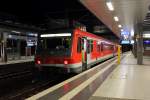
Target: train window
98,47
112,47
88,46
102,47
91,45
79,45
55,46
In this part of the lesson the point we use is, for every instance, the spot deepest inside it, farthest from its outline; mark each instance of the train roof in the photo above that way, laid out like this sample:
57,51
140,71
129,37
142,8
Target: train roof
70,30
96,36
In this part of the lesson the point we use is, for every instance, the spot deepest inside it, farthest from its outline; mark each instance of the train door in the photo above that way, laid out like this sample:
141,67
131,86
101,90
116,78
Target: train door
84,53
88,51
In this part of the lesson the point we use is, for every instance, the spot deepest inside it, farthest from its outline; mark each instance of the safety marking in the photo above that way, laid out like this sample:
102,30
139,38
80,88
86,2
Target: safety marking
47,91
76,90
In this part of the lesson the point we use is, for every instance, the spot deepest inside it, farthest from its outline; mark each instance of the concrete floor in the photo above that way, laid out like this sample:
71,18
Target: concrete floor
127,81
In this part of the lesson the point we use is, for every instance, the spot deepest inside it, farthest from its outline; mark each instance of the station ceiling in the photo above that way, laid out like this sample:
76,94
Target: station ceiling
130,12
41,12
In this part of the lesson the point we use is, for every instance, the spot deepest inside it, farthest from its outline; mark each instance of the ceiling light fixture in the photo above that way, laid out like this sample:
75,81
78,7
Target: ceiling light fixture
116,18
56,35
132,32
146,35
16,32
110,6
119,26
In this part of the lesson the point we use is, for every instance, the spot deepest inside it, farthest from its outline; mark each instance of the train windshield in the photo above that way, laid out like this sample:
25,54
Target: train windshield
54,45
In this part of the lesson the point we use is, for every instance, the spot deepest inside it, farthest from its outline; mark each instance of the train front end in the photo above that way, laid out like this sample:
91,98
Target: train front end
54,52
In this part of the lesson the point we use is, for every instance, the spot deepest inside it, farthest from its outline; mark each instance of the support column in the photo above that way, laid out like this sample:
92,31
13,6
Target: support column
135,46
139,44
135,41
3,47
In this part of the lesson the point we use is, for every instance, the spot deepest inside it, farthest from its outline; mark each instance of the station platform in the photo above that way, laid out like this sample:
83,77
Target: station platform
127,81
22,59
107,81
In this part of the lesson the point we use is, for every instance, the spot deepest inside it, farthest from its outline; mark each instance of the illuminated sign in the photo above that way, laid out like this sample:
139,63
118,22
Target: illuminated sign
147,42
125,37
125,42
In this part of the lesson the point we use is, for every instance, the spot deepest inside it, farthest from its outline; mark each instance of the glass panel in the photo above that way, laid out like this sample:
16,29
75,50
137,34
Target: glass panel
11,49
88,46
91,45
54,46
79,45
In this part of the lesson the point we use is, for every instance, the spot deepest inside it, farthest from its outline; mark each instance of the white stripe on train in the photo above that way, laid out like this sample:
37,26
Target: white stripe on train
75,65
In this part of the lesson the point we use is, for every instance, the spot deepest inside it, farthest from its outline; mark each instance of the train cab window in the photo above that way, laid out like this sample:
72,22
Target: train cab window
54,46
79,45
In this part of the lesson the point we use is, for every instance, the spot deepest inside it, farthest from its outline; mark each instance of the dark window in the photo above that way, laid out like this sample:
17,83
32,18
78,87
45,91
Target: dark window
102,47
91,45
55,46
79,45
98,47
112,47
88,46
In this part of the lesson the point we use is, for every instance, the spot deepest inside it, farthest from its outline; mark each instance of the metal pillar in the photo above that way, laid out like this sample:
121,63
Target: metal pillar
134,50
139,44
3,47
2,51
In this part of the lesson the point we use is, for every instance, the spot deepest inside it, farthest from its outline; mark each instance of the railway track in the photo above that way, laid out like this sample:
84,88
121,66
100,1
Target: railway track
28,89
15,75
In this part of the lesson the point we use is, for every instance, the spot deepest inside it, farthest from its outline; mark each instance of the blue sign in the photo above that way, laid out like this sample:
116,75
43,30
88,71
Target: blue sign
147,42
125,37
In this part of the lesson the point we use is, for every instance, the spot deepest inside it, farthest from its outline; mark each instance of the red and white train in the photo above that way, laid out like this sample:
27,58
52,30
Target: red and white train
72,50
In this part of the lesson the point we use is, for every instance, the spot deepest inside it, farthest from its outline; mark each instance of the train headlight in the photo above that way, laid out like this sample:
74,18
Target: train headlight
65,62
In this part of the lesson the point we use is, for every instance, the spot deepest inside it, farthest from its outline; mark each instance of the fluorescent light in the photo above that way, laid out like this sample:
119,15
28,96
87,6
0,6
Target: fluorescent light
132,41
146,35
9,36
110,6
119,26
132,32
33,34
15,31
116,18
121,30
56,35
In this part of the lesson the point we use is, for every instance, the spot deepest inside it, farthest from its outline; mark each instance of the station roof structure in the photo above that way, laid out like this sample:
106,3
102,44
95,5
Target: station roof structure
129,12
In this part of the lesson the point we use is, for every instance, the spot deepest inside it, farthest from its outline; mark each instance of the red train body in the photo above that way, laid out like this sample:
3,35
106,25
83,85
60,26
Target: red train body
72,51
